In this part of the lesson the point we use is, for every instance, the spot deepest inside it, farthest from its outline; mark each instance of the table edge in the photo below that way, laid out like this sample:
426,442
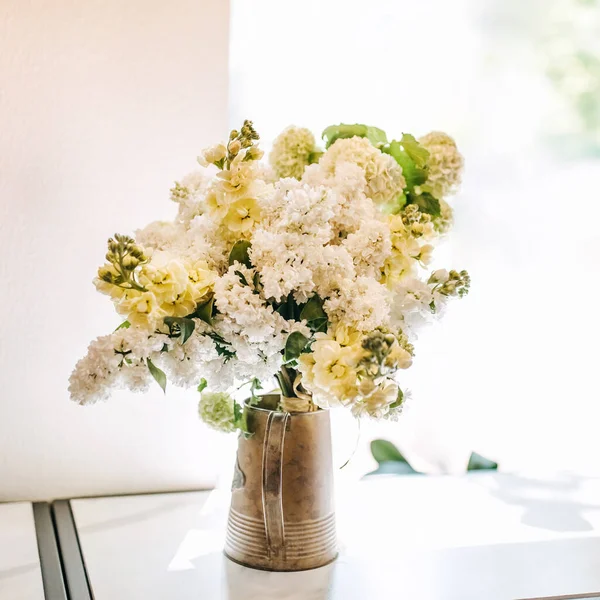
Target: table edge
48,551
74,568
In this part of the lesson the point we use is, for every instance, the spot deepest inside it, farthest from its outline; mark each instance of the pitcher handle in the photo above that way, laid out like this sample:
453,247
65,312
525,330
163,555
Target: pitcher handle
272,482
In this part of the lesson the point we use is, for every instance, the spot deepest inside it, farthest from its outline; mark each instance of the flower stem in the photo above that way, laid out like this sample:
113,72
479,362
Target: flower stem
286,382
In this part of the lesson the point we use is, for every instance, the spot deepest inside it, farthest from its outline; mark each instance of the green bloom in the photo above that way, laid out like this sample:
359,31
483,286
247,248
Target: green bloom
292,152
445,164
217,410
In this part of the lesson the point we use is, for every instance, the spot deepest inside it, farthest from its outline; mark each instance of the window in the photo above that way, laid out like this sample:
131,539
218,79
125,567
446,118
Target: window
511,370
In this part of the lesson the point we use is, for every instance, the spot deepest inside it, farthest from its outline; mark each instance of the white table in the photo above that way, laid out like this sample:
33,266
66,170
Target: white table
20,570
484,536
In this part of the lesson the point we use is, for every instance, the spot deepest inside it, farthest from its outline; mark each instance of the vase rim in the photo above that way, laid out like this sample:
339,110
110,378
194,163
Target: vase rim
270,410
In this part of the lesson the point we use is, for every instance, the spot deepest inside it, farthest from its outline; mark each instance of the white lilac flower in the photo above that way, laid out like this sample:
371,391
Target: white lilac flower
252,258
115,361
189,194
161,235
370,245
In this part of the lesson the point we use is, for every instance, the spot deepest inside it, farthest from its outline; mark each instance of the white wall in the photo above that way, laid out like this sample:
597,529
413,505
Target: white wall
103,103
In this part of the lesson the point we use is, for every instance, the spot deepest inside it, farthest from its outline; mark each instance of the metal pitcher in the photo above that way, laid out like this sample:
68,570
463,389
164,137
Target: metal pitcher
282,512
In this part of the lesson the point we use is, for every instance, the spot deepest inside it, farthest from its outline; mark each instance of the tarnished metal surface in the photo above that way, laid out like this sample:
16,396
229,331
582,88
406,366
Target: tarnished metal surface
282,512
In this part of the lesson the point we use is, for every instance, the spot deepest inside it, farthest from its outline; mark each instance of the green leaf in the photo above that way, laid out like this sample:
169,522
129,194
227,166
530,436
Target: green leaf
242,277
413,174
427,203
393,207
399,399
124,325
383,451
158,375
239,252
417,153
319,325
181,327
239,419
288,308
480,463
313,313
313,309
394,468
315,157
282,309
294,346
375,135
202,385
205,311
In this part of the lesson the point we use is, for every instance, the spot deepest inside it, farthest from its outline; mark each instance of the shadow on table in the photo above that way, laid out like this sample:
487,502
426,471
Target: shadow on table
548,505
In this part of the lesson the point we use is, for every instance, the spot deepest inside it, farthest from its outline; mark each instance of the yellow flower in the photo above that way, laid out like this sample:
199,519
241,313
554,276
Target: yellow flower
242,215
335,369
342,334
399,357
376,398
306,365
240,174
140,308
181,305
406,252
426,254
106,274
216,202
210,156
201,280
165,277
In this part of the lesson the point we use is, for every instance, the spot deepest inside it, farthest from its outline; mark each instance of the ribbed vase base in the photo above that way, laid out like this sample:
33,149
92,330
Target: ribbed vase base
307,544
278,569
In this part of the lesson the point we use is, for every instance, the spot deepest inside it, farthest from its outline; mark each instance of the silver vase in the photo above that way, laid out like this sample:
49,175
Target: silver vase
282,512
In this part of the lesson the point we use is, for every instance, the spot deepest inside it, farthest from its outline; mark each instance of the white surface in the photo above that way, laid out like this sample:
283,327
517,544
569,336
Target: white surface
103,104
483,536
20,573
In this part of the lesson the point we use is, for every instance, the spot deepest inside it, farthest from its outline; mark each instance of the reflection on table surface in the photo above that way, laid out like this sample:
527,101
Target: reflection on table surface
20,572
432,538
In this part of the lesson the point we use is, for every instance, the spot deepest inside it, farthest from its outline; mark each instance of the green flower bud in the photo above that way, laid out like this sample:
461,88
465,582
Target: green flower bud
137,252
105,274
130,262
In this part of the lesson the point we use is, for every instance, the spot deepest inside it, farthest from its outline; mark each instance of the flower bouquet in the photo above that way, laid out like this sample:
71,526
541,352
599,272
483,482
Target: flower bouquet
306,275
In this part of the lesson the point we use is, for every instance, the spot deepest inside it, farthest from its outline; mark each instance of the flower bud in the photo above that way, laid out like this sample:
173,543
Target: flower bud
389,338
235,146
105,274
439,276
137,252
212,155
254,153
130,262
